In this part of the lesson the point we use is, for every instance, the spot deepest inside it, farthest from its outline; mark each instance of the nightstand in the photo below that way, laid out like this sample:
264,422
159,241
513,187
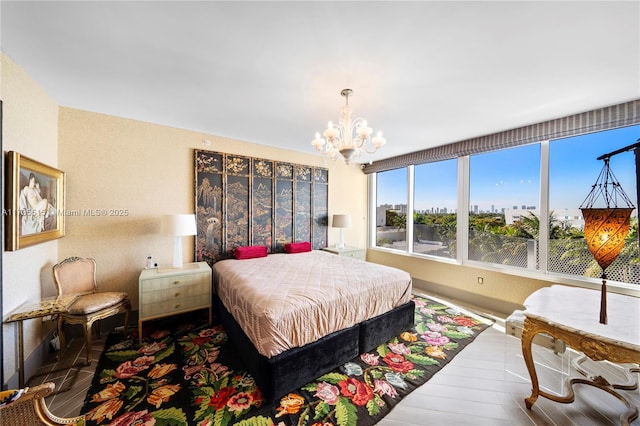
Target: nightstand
354,252
166,292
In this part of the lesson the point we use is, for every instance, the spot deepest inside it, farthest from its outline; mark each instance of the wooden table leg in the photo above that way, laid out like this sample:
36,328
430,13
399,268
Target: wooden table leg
573,340
530,330
20,355
527,342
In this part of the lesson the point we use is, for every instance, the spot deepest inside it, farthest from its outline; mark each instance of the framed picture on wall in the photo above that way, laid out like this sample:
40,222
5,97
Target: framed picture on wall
34,210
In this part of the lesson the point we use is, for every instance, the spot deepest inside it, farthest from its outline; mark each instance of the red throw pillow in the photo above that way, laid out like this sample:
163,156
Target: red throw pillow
249,252
297,247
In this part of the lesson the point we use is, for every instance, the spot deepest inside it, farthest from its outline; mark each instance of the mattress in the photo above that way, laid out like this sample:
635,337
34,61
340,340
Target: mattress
284,301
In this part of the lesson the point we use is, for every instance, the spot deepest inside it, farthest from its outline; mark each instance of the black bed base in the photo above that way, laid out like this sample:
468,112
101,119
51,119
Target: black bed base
382,328
283,373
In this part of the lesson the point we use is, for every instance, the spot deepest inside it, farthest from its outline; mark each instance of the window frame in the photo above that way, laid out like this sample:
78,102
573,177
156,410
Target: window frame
542,194
463,205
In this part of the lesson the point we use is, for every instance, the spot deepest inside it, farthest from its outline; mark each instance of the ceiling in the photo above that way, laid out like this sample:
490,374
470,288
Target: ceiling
426,73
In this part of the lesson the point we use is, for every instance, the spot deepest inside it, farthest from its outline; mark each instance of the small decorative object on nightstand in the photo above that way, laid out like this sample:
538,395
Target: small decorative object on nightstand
354,252
166,292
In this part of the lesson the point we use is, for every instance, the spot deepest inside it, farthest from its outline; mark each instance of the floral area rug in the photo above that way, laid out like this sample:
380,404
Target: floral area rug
189,374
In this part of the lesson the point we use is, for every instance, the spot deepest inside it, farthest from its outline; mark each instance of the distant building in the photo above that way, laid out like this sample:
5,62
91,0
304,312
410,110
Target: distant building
400,208
572,217
381,212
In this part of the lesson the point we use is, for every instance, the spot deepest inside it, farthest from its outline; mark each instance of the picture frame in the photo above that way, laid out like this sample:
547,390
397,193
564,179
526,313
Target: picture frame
35,204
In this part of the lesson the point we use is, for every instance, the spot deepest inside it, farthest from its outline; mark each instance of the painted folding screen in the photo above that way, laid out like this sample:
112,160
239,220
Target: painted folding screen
242,201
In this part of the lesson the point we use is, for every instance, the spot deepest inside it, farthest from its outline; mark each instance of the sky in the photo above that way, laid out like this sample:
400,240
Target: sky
511,177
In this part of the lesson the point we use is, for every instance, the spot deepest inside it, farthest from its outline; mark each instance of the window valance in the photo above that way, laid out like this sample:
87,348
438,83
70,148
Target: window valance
610,117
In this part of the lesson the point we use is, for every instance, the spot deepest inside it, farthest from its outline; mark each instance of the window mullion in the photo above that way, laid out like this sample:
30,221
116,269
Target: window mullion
373,202
462,215
543,232
409,219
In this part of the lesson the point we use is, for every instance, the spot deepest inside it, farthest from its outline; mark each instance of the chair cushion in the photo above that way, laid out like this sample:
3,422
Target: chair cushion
93,302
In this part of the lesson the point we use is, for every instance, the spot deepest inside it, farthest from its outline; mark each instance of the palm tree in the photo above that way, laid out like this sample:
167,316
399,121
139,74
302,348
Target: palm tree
400,221
531,225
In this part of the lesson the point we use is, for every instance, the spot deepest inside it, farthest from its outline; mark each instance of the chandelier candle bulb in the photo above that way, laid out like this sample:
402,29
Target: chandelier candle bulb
331,132
364,131
378,141
318,142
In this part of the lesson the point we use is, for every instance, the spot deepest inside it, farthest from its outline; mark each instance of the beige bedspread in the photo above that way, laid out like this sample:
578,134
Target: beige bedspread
284,301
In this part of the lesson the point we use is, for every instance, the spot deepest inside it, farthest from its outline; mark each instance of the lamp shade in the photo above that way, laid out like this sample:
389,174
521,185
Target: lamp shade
179,224
605,230
341,221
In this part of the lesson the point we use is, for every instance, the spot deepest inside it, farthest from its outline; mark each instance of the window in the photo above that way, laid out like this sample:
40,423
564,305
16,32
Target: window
521,208
391,209
435,208
504,214
573,169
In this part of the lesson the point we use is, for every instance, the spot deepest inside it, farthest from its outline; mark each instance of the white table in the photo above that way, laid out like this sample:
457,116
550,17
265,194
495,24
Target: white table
572,315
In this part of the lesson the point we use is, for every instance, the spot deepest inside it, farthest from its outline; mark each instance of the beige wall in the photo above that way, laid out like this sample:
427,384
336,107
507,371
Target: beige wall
499,286
30,127
146,169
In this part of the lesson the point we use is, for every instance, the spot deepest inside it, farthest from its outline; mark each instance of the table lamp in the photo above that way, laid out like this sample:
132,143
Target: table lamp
341,221
178,225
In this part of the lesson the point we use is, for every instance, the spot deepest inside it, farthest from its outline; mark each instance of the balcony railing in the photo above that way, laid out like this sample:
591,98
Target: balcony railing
566,256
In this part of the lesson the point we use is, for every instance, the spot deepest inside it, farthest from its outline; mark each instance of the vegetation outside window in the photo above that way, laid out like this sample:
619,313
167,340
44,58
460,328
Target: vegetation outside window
573,169
504,209
391,209
522,208
435,208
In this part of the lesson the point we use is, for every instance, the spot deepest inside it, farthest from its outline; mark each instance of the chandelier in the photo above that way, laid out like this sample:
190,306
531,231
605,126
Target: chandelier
350,137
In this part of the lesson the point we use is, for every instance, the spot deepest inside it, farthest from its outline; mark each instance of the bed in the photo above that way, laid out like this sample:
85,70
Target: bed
294,317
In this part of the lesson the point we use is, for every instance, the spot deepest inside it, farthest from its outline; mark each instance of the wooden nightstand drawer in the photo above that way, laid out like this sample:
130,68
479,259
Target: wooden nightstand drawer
165,307
356,254
163,283
196,289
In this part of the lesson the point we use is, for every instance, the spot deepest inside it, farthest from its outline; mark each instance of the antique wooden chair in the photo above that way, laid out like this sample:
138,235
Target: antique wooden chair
78,276
28,407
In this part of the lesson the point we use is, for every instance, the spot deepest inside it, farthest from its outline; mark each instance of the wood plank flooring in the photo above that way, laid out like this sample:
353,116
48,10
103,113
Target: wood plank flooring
485,384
